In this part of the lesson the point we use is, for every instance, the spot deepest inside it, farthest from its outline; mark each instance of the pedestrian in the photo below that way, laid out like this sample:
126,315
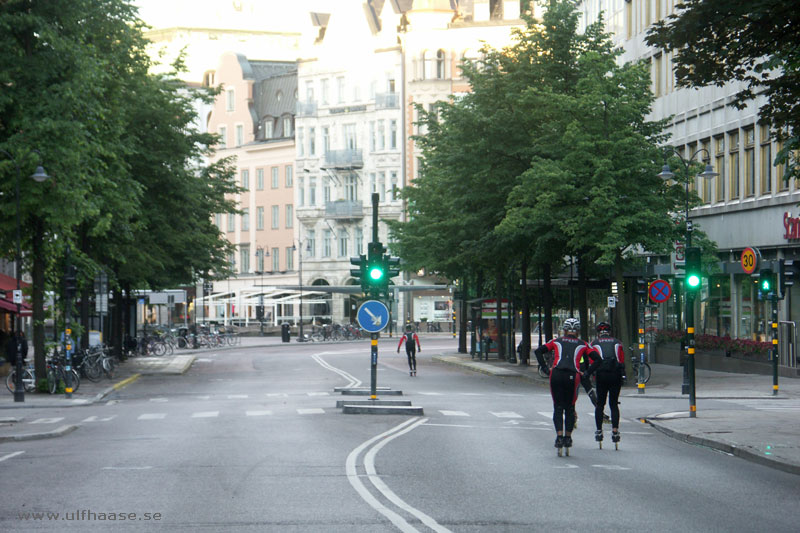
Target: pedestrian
412,345
22,345
610,370
565,378
12,349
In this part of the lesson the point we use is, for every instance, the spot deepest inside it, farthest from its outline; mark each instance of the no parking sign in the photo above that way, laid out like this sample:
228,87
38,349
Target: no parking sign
660,291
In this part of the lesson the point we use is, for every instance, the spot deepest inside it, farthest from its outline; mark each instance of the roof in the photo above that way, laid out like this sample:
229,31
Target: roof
267,105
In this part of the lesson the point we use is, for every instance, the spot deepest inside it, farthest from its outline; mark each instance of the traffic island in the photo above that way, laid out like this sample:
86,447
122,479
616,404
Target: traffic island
378,408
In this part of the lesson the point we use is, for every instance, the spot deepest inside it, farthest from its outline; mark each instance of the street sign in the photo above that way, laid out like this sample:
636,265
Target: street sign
373,316
749,260
612,302
17,296
660,291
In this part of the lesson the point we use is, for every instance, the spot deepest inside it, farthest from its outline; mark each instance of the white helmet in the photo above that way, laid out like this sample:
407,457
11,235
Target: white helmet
572,324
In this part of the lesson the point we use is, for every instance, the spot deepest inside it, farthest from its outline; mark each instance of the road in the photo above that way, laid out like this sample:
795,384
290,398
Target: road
251,440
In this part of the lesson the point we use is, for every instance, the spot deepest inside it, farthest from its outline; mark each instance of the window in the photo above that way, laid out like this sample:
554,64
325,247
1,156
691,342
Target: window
300,142
749,163
231,222
423,65
705,183
218,221
268,127
719,156
244,258
287,126
373,183
325,91
311,246
290,258
351,188
733,165
393,134
766,160
372,141
289,215
359,244
440,64
381,135
276,259
260,218
289,176
326,139
223,137
382,186
658,74
229,100
780,172
301,192
246,180
393,185
326,243
239,135
276,219
344,242
340,89
260,179
326,190
309,91
245,219
312,146
260,260
274,177
350,141
312,191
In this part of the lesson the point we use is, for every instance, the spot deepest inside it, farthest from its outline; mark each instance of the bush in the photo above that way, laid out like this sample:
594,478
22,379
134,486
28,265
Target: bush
713,342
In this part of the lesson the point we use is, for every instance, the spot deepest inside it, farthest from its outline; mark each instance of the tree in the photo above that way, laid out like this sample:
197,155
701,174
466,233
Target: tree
757,43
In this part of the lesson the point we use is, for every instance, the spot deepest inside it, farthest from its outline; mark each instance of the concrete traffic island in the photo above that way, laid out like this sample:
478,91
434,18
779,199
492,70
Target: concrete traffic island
375,406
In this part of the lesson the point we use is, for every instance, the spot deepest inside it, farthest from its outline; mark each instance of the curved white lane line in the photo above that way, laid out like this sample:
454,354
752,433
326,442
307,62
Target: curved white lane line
355,481
354,382
369,464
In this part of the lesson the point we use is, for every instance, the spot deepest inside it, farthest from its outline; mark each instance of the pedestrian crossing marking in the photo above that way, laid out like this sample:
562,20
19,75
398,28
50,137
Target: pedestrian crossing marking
159,400
257,413
152,416
98,419
318,393
431,393
315,411
277,395
453,413
206,414
206,397
46,420
507,414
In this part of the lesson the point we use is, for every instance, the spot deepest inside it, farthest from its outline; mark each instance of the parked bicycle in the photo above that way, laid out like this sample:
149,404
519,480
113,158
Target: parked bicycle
637,362
57,374
28,379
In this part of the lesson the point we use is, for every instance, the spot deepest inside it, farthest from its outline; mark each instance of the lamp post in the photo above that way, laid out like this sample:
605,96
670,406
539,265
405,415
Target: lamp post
38,176
299,248
667,174
261,253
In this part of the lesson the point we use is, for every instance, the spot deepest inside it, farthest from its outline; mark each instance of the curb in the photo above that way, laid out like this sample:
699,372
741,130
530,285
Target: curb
60,432
726,448
483,368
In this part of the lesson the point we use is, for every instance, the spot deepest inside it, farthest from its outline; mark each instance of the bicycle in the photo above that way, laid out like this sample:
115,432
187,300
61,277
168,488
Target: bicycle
28,379
637,362
56,374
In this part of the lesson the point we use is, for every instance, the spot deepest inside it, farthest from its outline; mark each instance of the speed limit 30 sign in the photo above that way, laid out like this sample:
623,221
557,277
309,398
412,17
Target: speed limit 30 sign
750,257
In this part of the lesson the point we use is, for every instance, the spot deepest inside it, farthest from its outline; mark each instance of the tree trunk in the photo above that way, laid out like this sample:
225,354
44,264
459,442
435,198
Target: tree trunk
85,296
622,314
498,289
462,321
38,298
547,303
583,311
525,348
116,322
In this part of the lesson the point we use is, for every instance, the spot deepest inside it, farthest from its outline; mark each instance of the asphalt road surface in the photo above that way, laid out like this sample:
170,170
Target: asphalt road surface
250,439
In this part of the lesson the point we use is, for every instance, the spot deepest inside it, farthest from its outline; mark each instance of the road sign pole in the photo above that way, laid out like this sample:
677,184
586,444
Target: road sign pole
775,353
373,367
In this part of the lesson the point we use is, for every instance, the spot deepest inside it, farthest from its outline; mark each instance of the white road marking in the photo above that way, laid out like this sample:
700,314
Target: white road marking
472,394
152,416
507,414
257,413
318,393
203,360
127,467
611,467
46,420
352,380
97,419
159,400
277,395
10,455
237,396
206,414
453,413
546,414
567,466
206,397
431,393
315,411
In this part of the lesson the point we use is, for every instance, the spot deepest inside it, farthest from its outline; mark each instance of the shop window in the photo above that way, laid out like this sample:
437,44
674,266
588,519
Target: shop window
749,163
733,165
766,160
719,166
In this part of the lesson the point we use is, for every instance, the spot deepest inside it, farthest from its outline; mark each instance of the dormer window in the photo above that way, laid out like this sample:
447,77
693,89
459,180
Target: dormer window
268,128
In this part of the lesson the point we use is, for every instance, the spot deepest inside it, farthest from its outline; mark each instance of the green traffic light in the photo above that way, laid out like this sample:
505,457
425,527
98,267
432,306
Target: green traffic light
376,273
693,280
765,285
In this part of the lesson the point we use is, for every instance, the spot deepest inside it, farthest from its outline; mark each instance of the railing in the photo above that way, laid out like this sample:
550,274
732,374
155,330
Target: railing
350,158
387,101
344,209
306,109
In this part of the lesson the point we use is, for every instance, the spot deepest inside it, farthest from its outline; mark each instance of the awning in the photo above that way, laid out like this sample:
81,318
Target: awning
7,283
9,306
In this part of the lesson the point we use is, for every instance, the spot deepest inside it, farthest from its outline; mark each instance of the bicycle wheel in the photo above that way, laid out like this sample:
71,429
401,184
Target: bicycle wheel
646,372
93,370
543,372
12,377
53,378
109,366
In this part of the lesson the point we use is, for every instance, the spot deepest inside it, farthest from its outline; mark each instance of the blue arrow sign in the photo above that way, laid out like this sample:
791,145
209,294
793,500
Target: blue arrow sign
373,316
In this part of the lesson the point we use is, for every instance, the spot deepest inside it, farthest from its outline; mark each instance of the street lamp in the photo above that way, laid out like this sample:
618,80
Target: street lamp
261,253
299,248
38,176
666,174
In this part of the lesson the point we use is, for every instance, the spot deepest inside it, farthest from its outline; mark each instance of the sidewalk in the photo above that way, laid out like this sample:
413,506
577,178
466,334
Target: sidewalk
748,425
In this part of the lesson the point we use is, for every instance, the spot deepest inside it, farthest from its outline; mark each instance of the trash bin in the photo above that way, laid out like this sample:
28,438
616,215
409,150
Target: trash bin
285,332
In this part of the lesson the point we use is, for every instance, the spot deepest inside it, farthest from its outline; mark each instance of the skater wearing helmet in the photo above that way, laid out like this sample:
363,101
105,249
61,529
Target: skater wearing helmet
565,378
610,369
412,345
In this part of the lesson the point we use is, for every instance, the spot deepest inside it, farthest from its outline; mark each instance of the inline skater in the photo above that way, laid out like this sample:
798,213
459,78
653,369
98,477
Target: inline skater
412,345
610,369
565,378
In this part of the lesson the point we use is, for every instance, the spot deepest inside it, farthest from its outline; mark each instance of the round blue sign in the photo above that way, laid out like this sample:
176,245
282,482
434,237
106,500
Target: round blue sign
373,316
660,291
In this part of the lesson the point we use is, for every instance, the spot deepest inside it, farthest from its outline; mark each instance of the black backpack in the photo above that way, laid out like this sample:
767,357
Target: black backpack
410,341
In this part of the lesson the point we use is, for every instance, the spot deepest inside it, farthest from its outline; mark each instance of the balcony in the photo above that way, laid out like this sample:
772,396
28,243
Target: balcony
344,159
387,101
306,109
344,209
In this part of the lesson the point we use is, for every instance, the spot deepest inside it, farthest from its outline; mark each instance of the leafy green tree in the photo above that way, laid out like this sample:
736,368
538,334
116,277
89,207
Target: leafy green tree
757,43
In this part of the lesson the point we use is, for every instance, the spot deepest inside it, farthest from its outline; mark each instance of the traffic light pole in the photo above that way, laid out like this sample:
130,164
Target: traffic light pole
775,353
373,387
690,352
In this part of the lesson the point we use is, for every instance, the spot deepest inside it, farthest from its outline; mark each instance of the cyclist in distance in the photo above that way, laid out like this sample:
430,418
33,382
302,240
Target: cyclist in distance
610,369
565,378
412,345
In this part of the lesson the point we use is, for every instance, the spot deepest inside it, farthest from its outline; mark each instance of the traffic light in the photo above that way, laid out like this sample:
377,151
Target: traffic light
259,312
71,280
641,287
766,282
694,273
392,266
359,274
787,270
